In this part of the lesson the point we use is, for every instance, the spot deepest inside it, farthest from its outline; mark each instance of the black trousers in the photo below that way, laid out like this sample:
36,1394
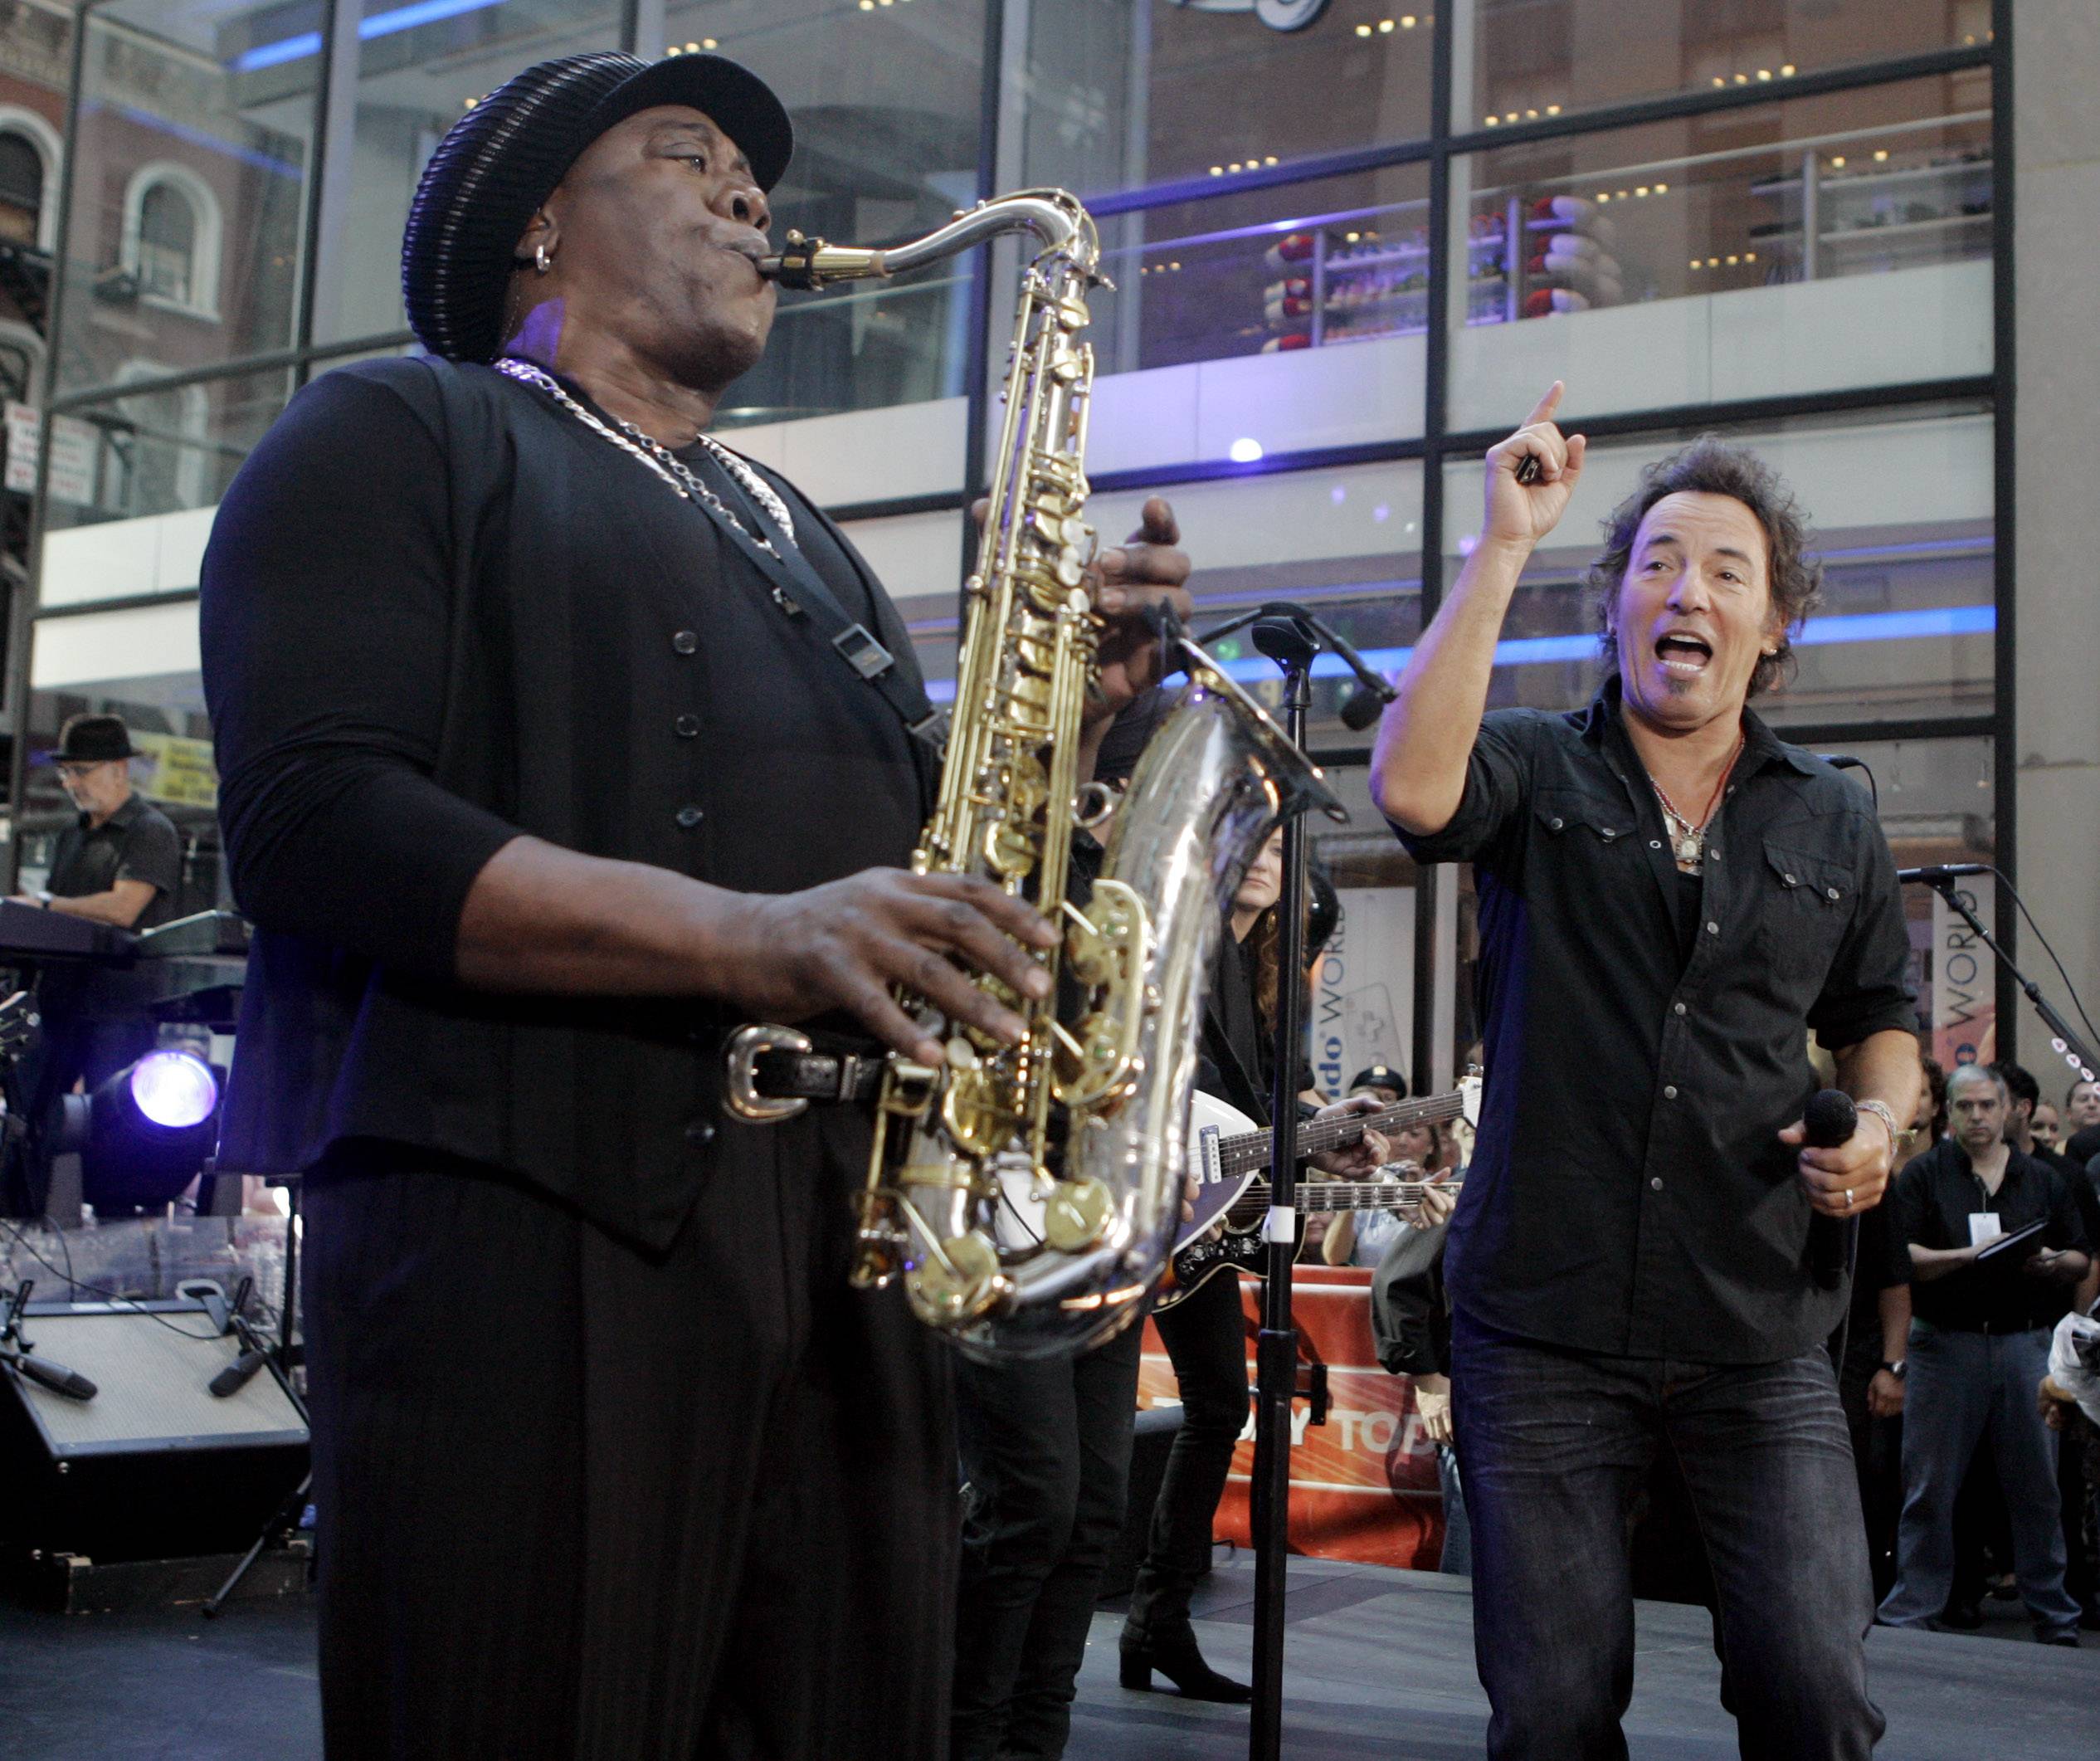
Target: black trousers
1045,1451
579,1501
1206,1336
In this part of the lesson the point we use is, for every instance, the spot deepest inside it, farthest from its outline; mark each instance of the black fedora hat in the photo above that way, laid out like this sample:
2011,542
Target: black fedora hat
502,159
94,739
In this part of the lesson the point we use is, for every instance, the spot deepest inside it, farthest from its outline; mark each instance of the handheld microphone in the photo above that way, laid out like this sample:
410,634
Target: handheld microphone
1944,872
1828,1120
55,1376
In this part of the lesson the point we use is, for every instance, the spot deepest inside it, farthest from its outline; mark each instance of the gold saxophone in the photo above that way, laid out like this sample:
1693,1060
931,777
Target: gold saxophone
1079,1130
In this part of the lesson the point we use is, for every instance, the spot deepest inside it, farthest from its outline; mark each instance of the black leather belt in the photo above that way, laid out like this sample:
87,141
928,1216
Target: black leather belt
825,1077
773,1073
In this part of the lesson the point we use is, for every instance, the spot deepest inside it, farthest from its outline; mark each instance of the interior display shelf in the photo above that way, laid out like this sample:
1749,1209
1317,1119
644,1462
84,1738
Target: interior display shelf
1844,182
1903,228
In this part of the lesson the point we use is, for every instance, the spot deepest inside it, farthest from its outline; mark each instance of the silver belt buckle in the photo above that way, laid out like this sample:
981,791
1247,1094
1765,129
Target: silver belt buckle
740,1096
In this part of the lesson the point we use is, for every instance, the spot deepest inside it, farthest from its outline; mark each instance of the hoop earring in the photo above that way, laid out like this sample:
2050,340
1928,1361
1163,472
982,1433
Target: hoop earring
541,261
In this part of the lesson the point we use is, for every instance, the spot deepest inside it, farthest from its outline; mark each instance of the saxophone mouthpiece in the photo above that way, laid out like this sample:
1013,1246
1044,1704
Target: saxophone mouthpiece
808,264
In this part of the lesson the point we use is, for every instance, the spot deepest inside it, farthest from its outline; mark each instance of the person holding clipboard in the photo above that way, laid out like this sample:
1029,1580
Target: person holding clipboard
1994,1245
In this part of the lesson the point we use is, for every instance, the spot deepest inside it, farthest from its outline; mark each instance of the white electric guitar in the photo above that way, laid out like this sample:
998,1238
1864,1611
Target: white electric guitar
1229,1162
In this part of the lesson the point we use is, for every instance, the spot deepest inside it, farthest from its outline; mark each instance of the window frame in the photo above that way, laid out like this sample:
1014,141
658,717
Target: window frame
201,301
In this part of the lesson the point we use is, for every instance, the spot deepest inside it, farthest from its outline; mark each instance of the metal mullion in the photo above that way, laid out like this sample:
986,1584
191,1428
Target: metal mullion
1436,362
1676,106
976,367
1670,107
2005,767
22,606
889,507
1827,734
240,367
1976,388
1911,728
122,602
317,163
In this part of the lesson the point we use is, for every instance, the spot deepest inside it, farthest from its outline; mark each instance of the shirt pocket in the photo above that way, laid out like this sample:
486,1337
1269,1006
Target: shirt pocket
1571,818
1804,908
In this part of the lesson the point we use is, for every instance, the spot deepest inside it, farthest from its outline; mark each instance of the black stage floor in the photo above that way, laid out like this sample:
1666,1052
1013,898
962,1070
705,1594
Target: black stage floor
1379,1665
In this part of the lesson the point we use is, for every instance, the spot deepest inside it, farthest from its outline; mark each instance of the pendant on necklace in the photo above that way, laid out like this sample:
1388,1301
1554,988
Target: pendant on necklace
1688,847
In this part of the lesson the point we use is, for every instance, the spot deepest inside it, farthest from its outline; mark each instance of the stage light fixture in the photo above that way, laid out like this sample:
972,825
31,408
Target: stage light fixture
144,1133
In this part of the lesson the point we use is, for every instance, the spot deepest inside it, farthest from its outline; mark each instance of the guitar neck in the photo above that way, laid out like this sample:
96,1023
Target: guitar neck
1328,1197
1365,1195
1248,1154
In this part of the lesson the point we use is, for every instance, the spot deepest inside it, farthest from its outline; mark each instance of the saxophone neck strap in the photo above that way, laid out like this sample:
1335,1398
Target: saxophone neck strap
802,593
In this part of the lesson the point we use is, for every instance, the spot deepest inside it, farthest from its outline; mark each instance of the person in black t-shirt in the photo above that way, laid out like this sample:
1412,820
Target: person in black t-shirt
1979,1347
121,862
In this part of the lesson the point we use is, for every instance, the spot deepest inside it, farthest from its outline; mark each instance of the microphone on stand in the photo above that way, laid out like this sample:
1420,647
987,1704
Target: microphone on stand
1283,627
15,1353
1941,873
1828,1120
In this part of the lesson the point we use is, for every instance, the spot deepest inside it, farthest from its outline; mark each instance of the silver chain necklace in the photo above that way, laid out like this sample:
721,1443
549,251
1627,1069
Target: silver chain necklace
665,463
1687,840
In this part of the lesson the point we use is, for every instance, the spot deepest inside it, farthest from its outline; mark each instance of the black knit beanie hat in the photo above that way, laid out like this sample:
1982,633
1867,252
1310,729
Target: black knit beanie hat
498,162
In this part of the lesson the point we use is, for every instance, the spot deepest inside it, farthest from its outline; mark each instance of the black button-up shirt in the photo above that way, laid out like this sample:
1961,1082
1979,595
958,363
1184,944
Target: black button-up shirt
1932,1200
1628,1193
136,843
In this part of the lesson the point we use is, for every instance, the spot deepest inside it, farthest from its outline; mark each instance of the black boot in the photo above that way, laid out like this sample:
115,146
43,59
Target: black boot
1174,1655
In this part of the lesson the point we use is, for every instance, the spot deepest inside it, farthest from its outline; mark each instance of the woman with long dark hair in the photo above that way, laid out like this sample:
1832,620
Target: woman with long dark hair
1203,1332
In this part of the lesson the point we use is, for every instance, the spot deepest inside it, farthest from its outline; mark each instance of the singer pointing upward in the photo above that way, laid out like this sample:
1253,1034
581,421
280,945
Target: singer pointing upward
1671,898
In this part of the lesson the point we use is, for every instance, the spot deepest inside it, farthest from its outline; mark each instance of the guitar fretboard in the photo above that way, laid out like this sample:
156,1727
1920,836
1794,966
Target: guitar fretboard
1338,1195
1247,1154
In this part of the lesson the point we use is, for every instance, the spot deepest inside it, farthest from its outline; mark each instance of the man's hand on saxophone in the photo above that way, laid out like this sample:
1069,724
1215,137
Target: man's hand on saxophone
1131,583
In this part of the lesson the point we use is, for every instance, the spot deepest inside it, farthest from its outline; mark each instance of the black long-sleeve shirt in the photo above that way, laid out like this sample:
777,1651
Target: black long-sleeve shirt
439,612
1628,1193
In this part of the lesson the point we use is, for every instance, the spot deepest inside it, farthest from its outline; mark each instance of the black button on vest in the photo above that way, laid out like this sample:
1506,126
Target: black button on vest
687,727
687,818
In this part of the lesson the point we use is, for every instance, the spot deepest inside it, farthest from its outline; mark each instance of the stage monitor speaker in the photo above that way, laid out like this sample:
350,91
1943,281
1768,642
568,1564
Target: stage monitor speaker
155,1466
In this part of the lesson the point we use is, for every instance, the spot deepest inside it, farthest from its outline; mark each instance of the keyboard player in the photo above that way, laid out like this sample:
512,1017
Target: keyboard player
118,865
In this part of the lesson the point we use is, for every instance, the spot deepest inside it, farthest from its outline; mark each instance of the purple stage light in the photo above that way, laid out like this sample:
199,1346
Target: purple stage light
175,1089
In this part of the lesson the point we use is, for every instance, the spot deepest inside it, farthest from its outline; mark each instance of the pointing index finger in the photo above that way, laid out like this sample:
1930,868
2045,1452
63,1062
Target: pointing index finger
1542,411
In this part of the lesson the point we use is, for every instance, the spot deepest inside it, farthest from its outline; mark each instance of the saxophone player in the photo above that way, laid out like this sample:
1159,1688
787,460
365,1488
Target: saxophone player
556,738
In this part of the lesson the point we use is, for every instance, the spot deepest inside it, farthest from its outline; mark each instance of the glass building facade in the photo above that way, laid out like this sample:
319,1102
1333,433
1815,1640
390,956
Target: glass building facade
1350,244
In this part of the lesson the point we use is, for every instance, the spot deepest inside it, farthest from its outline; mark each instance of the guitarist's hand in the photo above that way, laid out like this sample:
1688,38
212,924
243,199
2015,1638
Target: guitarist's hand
1438,1202
1370,1153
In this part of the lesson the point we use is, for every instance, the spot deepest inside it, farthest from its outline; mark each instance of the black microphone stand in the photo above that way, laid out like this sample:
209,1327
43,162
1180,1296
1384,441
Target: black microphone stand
284,1520
1291,637
2065,1041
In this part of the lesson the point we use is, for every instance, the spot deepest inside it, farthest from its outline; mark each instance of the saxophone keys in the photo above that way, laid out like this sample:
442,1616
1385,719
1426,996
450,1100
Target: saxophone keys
1077,1216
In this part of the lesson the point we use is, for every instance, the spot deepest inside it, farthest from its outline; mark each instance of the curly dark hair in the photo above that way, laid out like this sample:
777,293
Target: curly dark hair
1711,466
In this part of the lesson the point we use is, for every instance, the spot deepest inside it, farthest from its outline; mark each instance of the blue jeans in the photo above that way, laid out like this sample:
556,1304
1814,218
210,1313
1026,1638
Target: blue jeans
1959,1388
1556,1443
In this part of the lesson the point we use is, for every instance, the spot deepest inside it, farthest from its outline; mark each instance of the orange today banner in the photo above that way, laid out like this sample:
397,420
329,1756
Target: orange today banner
1363,1485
